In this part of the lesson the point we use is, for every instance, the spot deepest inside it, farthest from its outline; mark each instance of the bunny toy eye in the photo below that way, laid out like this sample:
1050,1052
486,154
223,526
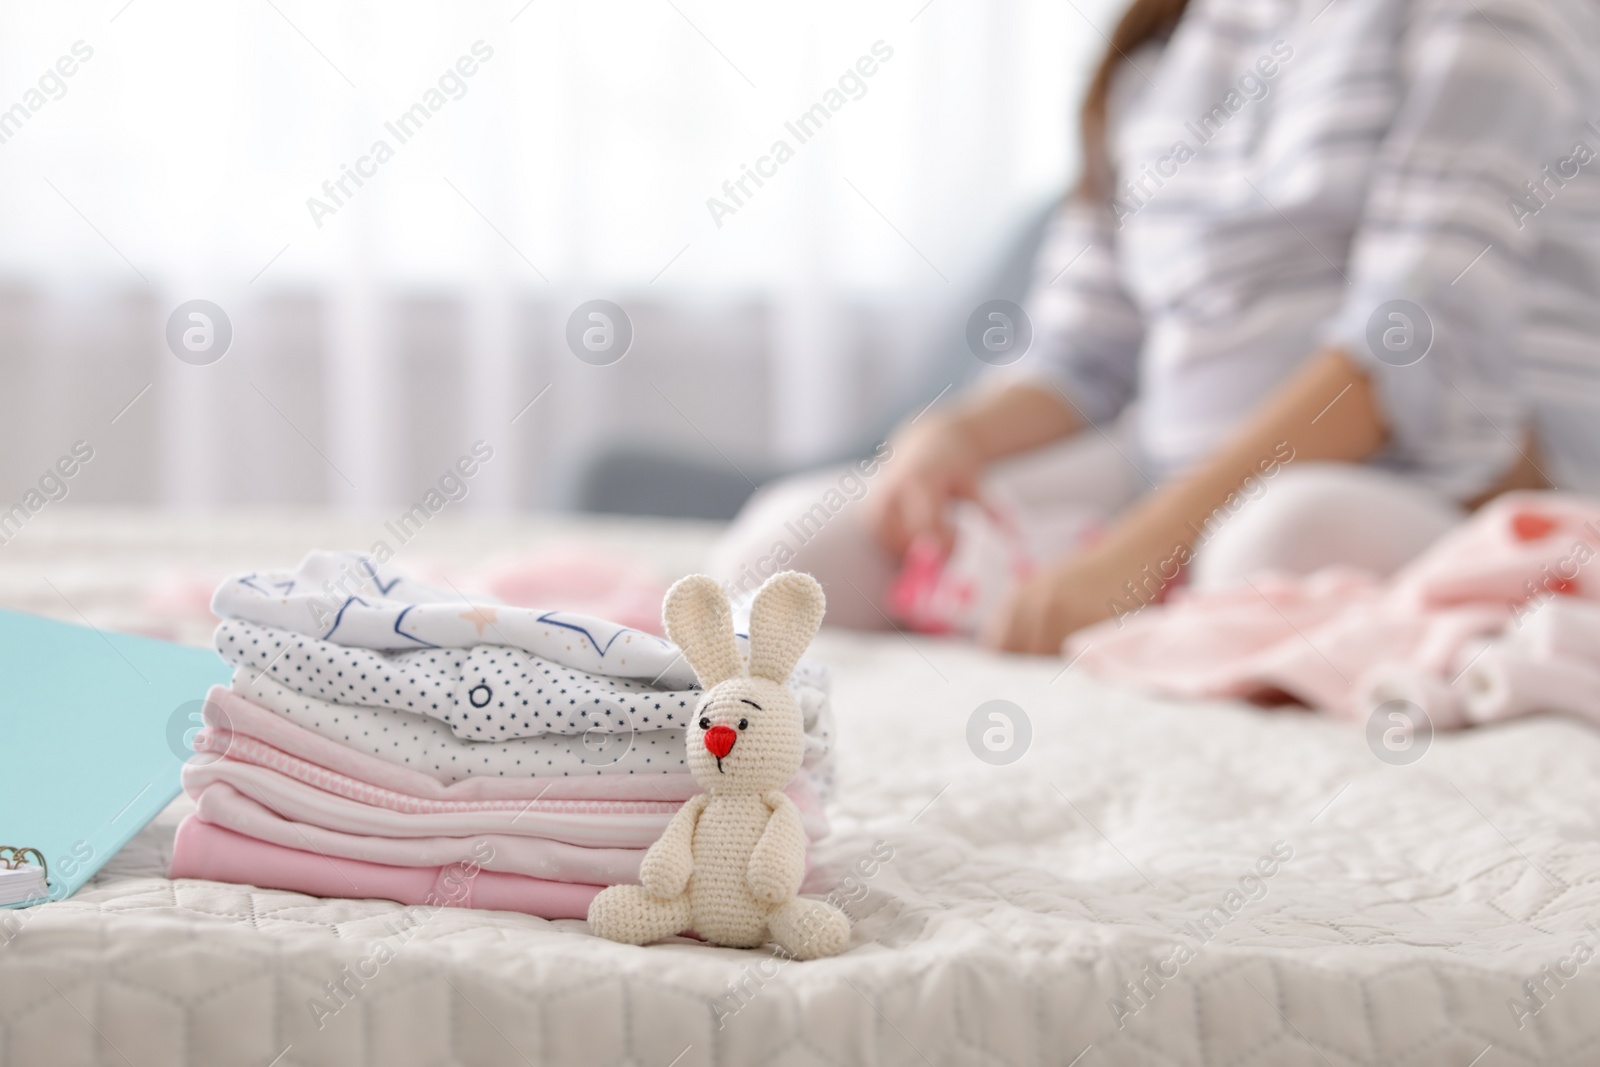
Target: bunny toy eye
705,723
743,723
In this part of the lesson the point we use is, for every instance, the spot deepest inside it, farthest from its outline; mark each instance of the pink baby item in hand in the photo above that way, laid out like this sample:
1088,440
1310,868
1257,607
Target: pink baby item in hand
994,551
939,594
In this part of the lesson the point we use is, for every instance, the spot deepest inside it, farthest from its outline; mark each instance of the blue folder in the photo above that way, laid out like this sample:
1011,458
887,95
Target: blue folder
94,729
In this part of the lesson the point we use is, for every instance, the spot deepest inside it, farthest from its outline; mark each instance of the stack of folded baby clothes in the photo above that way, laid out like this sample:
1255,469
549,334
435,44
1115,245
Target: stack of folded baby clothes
386,739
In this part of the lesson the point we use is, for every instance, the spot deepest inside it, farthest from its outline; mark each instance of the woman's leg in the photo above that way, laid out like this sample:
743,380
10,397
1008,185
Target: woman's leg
814,522
1320,515
817,522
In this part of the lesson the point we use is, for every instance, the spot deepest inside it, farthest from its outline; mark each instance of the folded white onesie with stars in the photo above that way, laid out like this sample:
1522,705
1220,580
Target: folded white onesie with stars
349,598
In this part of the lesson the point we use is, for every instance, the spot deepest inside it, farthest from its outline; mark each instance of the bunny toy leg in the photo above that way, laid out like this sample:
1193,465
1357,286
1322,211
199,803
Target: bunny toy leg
629,914
809,929
640,914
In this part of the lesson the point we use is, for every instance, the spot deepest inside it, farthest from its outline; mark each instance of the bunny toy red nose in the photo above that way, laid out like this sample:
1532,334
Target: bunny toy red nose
720,739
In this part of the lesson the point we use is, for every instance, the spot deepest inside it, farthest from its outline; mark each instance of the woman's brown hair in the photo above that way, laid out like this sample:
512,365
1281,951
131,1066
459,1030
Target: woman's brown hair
1144,21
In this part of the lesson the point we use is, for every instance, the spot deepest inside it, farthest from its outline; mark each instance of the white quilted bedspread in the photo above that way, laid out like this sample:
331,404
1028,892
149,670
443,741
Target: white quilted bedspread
1018,900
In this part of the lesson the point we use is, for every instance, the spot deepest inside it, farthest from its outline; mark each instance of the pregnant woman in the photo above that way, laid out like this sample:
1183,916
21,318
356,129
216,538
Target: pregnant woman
1329,279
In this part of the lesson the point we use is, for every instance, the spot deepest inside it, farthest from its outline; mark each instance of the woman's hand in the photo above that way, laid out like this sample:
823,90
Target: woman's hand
940,456
1155,538
1063,598
935,463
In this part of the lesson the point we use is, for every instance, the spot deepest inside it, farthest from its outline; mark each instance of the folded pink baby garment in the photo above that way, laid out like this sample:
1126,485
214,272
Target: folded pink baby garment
237,732
227,712
425,744
222,805
353,808
1340,639
201,850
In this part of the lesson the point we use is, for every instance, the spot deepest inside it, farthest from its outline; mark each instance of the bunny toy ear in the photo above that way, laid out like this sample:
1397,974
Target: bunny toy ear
698,622
783,619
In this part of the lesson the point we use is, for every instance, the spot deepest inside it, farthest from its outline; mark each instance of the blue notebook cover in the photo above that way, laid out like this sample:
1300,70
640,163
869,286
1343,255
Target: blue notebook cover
94,729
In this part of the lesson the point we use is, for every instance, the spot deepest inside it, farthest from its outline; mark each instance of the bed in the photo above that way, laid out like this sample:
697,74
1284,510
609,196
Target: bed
1017,913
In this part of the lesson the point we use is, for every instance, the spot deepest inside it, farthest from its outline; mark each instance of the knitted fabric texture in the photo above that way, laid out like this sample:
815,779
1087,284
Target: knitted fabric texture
730,862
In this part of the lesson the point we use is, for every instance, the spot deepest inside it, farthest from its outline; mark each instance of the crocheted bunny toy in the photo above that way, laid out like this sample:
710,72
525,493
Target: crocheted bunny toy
729,865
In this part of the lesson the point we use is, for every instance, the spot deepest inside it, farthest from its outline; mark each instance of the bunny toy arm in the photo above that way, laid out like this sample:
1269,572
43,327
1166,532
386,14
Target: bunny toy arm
667,865
778,862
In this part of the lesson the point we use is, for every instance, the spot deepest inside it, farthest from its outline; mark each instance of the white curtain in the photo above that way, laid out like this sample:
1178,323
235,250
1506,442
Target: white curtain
555,152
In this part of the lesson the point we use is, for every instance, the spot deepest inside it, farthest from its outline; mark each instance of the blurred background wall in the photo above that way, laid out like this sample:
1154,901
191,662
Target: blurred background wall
378,332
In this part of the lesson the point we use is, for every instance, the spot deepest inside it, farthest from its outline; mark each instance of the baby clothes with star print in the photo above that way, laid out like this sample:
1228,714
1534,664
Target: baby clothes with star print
349,598
483,693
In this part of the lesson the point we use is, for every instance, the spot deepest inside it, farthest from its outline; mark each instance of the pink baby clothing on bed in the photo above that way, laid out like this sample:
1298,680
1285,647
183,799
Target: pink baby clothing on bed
590,823
226,712
421,743
222,805
425,744
201,850
1339,639
239,732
